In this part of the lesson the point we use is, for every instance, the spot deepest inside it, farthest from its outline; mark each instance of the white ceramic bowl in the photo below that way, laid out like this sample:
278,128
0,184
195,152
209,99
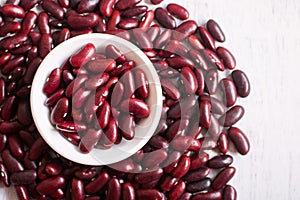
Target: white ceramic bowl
144,129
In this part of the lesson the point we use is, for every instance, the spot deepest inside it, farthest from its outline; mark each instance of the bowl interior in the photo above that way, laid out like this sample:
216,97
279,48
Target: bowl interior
144,129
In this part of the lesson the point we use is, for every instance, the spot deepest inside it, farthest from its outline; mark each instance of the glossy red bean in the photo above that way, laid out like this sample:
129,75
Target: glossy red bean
207,39
9,108
211,81
22,192
43,23
147,20
45,45
98,183
182,167
16,146
9,27
53,8
87,6
64,3
189,80
77,189
101,65
37,149
223,143
86,173
3,140
199,59
150,194
134,11
154,158
124,4
239,139
54,97
205,114
163,38
50,184
31,69
227,58
156,2
127,126
232,116
28,4
103,114
216,105
170,89
12,42
110,134
215,30
164,19
106,7
114,20
148,176
212,195
96,81
200,81
229,193
72,137
199,186
14,11
128,192
23,177
195,42
177,190
83,22
180,62
143,39
89,140
178,11
10,127
114,189
177,128
229,91
82,56
128,23
167,183
196,175
136,106
223,177
13,64
185,30
5,58
54,167
220,161
158,142
241,82
113,52
208,143
4,175
11,163
214,59
199,160
59,111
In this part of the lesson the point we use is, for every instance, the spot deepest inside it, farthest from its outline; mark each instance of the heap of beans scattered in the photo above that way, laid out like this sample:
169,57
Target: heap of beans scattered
197,150
96,75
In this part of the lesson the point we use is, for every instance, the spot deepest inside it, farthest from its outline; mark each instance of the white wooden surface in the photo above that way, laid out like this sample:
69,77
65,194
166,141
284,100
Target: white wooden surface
265,38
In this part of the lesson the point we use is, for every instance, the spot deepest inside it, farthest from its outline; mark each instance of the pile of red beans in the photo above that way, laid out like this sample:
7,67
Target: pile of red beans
186,158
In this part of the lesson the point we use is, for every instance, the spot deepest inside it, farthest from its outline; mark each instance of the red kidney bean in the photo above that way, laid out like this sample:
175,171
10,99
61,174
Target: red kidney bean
74,33
96,81
227,58
200,81
136,106
31,69
150,194
199,160
12,64
11,163
205,114
86,173
163,38
208,143
128,65
229,193
182,167
77,189
164,19
134,11
16,146
142,39
189,80
232,116
229,91
114,189
169,73
4,175
110,134
37,149
43,23
241,82
53,8
87,6
207,39
148,176
211,81
5,58
3,140
113,52
23,177
180,62
198,59
75,85
45,45
2,90
129,86
98,183
195,42
9,108
147,20
67,76
14,11
81,96
22,49
185,30
160,65
178,11
169,49
10,127
220,161
239,139
199,186
223,177
82,56
26,137
28,4
72,137
183,143
214,60
128,192
83,22
64,3
12,42
128,23
50,184
9,27
156,2
89,140
215,30
22,192
106,7
177,190
170,89
214,129
57,194
212,195
196,175
35,38
124,4
54,167
59,111
167,183
216,105
177,128
171,161
103,114
101,65
101,26
158,142
154,158
183,108
223,143
127,126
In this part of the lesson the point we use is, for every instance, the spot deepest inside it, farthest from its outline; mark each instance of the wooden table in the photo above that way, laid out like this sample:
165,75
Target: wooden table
265,38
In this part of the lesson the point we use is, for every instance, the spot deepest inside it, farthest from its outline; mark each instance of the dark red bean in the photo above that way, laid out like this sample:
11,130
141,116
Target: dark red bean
35,37
3,140
199,59
23,177
143,39
178,11
31,69
54,167
12,42
214,60
59,111
200,81
170,48
103,114
163,38
128,23
127,126
77,189
134,11
4,175
199,160
57,194
232,116
11,163
98,183
101,26
43,23
227,58
189,80
113,52
87,6
212,195
50,184
182,168
215,30
185,30
222,178
163,18
150,194
86,173
9,27
136,106
199,186
53,8
195,42
196,175
89,140
229,91
22,192
111,133
72,137
241,82
205,114
124,4
28,4
64,3
96,81
9,108
101,65
106,7
211,81
147,20
223,143
220,161
45,45
183,143
114,189
129,87
207,39
148,176
82,56
239,139
156,2
10,127
167,183
114,20
216,105
214,129
183,108
16,146
12,64
54,97
37,149
83,22
229,193
5,58
128,192
14,11
170,89
154,158
177,190
158,142
180,62
177,128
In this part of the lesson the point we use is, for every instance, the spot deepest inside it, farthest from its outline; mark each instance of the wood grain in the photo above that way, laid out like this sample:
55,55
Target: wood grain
265,38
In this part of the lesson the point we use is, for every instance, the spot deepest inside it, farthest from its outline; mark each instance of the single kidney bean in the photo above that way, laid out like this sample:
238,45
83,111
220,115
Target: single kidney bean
12,64
4,175
28,4
23,178
154,158
11,163
50,184
31,69
178,11
45,45
59,111
163,18
124,4
232,116
10,127
98,183
223,143
12,42
67,76
205,114
215,30
159,142
150,194
195,42
134,11
103,114
26,137
9,27
196,175
226,56
54,97
113,52
167,183
177,190
35,37
199,59
54,167
220,161
189,80
207,39
114,189
114,20
57,194
83,22
2,90
87,6
14,11
37,149
199,186
211,81
241,82
43,23
127,126
222,178
185,30
22,192
214,129
141,84
143,39
5,58
179,62
89,140
110,134
128,192
148,176
177,128
77,189
168,73
200,81
136,106
212,195
72,137
53,8
239,139
229,91
82,56
216,105
9,108
214,60
22,49
3,140
16,146
183,143
128,23
163,38
147,20
101,65
86,173
182,168
229,193
106,7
